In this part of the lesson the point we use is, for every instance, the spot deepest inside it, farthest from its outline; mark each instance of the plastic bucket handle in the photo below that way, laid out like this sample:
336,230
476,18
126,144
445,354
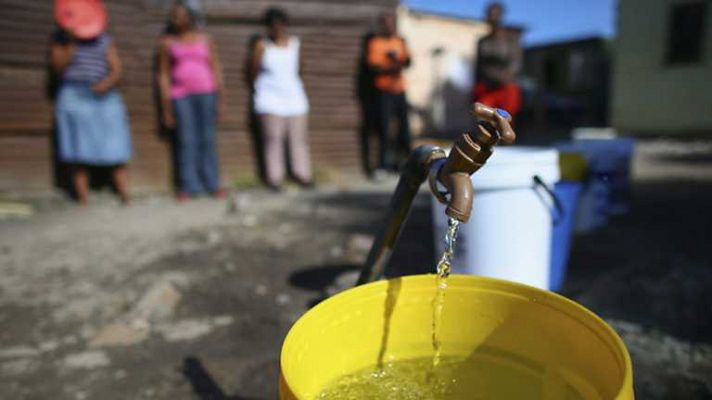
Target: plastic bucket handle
557,211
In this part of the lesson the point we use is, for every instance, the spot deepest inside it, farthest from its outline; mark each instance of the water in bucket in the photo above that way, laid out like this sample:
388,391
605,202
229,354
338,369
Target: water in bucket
489,375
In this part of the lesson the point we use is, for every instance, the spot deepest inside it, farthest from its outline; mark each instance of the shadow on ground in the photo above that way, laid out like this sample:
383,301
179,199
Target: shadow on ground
204,384
320,278
653,266
413,254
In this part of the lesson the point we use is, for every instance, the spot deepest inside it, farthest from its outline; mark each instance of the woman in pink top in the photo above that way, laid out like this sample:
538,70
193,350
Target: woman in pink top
191,89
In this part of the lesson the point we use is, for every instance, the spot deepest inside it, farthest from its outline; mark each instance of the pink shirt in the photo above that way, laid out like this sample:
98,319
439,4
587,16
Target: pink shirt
190,69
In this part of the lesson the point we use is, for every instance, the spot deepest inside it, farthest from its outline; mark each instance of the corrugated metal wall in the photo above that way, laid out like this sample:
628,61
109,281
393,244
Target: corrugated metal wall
330,32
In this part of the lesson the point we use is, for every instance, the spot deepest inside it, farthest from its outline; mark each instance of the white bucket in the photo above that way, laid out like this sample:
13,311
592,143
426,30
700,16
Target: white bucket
509,233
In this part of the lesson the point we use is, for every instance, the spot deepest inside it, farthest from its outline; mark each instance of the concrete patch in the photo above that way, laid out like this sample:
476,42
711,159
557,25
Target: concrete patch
158,303
223,320
118,334
191,329
342,282
14,209
49,345
260,289
283,299
19,366
87,360
357,247
187,329
18,352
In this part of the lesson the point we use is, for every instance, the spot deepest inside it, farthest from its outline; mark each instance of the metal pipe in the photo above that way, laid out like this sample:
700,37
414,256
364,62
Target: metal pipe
414,174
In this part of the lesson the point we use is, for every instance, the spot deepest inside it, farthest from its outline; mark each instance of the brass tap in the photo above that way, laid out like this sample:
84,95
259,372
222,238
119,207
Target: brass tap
469,154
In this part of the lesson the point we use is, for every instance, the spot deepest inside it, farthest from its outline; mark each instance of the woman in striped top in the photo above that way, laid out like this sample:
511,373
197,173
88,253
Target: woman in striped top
92,125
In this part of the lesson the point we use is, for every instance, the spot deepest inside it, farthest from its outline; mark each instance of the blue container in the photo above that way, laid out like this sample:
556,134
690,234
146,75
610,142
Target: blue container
607,194
568,193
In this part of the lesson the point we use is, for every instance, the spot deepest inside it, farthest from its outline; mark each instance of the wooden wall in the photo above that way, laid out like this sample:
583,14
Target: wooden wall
330,32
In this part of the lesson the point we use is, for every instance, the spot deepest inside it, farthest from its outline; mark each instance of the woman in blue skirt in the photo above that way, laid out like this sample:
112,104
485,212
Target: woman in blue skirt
92,124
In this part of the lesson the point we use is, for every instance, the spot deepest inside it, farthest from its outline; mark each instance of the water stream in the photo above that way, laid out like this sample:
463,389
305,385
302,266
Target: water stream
443,272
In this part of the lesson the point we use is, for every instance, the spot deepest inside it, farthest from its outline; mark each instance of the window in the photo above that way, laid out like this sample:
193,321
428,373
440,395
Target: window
686,33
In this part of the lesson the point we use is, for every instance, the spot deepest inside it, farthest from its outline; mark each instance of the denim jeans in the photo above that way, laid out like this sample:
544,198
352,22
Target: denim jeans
196,154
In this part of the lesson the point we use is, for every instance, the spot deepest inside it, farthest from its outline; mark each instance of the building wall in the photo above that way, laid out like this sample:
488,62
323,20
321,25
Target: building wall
648,95
439,85
566,85
331,31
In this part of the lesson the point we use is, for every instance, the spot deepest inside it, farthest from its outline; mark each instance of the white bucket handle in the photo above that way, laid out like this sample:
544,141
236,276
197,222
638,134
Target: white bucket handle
557,211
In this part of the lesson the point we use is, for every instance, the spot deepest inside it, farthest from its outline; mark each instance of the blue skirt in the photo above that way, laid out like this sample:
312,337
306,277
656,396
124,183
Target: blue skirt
91,129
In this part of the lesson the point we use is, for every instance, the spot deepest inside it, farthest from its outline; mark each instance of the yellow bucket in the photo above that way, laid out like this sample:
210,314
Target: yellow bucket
541,331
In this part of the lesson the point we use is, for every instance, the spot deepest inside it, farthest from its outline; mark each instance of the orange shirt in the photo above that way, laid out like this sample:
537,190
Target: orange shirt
379,49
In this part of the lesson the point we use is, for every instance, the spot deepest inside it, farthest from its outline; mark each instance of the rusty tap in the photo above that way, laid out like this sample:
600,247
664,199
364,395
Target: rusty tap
469,154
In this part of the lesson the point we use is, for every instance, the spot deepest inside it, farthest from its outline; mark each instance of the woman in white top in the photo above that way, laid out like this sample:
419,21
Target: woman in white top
280,101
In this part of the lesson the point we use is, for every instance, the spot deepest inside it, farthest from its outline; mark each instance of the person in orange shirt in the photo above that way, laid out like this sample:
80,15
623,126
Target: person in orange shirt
387,57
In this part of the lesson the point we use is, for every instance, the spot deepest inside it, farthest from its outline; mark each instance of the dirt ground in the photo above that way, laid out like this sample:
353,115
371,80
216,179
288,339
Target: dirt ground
167,301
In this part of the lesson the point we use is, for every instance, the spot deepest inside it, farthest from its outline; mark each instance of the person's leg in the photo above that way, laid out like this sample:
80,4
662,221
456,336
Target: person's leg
384,120
80,180
365,135
273,130
299,149
207,152
121,183
369,110
404,141
184,112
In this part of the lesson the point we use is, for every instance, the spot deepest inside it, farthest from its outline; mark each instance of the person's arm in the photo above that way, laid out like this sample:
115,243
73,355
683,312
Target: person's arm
256,61
61,54
115,69
164,83
301,59
376,64
219,78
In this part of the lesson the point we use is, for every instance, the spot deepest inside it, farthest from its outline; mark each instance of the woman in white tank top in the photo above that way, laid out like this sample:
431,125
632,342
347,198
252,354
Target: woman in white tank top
280,101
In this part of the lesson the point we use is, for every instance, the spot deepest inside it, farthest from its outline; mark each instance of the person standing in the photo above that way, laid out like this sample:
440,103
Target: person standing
90,115
366,96
192,100
499,58
388,56
280,101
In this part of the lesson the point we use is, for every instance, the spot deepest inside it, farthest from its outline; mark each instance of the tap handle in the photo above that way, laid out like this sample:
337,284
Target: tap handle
470,152
496,120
